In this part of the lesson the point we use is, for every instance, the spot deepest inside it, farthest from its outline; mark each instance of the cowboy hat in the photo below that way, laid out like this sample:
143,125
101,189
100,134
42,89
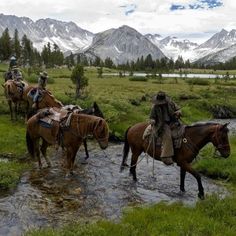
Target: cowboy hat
159,98
43,74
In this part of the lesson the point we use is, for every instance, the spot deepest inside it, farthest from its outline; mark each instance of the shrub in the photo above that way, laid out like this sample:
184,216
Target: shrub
138,78
198,81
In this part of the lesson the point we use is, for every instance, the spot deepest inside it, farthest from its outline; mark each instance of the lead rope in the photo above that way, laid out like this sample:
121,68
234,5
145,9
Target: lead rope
154,151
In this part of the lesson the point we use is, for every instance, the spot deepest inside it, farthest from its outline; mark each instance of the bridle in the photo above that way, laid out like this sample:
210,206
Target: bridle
217,139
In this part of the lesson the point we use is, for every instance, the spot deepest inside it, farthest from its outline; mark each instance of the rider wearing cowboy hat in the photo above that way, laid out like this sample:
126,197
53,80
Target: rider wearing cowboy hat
164,113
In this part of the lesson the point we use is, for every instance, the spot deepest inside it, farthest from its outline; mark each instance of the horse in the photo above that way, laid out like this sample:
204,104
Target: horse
195,138
15,93
46,99
80,127
93,110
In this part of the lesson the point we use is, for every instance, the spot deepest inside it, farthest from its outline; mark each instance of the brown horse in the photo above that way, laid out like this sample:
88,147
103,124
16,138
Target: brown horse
46,99
16,92
195,138
93,110
80,127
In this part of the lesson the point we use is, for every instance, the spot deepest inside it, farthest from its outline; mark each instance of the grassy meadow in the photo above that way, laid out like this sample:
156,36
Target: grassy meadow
125,102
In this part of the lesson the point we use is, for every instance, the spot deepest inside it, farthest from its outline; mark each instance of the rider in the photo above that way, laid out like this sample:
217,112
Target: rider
13,71
164,114
42,82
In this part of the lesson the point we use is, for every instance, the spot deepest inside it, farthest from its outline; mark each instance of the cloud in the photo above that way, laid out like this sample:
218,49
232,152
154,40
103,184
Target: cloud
129,9
196,19
198,4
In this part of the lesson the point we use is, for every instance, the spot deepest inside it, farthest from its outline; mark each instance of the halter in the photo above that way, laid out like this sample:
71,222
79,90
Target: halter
217,139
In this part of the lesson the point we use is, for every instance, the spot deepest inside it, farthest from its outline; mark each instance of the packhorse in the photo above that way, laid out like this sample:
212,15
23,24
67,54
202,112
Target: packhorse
48,100
80,127
195,138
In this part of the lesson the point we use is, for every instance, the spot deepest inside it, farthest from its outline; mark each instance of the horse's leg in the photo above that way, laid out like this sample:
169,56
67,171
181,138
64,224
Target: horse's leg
70,160
44,152
38,153
187,167
10,107
182,178
16,109
133,164
86,148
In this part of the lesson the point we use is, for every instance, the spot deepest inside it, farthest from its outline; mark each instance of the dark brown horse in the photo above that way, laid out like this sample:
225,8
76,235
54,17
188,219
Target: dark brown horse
195,138
80,127
16,93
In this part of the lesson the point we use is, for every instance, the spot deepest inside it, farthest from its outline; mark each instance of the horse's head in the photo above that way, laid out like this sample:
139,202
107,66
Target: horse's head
220,139
101,132
93,110
48,100
97,111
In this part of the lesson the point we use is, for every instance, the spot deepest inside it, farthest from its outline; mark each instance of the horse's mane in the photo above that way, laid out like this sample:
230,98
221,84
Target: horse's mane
201,124
53,97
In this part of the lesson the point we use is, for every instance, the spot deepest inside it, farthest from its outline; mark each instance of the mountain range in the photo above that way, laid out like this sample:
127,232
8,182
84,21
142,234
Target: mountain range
122,44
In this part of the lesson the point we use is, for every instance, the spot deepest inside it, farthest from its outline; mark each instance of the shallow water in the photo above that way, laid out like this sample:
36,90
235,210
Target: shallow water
97,189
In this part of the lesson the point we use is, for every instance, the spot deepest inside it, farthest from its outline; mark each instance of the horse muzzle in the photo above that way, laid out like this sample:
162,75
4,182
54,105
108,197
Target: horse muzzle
103,145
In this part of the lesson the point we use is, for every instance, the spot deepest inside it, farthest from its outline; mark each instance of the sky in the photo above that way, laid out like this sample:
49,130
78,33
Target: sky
196,20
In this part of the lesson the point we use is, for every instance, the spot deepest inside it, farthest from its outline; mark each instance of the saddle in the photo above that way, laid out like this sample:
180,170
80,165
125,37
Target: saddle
48,115
177,133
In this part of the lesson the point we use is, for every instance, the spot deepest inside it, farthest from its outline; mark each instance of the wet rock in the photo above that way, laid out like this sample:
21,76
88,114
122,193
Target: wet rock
222,112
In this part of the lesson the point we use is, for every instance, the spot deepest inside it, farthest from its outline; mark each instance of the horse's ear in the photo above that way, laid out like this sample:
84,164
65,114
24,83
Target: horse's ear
225,125
95,106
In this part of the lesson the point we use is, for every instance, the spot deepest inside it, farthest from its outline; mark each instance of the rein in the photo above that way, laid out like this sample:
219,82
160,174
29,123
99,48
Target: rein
215,136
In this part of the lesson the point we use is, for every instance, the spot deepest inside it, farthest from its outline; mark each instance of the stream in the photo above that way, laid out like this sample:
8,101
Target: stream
96,190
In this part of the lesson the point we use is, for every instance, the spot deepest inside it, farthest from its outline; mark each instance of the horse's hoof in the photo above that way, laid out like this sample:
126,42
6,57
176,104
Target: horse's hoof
181,193
201,196
182,190
135,179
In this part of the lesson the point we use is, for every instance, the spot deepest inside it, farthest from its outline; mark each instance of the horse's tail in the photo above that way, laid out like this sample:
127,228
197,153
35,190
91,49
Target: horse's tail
30,144
125,152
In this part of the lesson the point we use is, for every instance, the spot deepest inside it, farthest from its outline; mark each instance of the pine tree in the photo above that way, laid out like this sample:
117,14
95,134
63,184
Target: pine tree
5,45
16,45
79,79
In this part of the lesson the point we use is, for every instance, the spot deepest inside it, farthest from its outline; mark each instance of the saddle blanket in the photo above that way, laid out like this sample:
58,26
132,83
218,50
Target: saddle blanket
176,133
48,115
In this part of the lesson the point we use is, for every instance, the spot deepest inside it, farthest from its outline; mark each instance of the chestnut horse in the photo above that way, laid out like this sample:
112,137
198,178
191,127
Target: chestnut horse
93,110
16,93
46,99
81,126
194,139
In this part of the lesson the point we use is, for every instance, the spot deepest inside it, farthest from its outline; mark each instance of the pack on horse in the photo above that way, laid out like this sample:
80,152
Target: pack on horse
16,92
79,127
194,138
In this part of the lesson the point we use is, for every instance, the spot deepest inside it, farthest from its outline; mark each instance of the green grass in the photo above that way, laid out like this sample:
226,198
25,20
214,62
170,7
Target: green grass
12,136
10,173
216,167
210,217
12,145
125,103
